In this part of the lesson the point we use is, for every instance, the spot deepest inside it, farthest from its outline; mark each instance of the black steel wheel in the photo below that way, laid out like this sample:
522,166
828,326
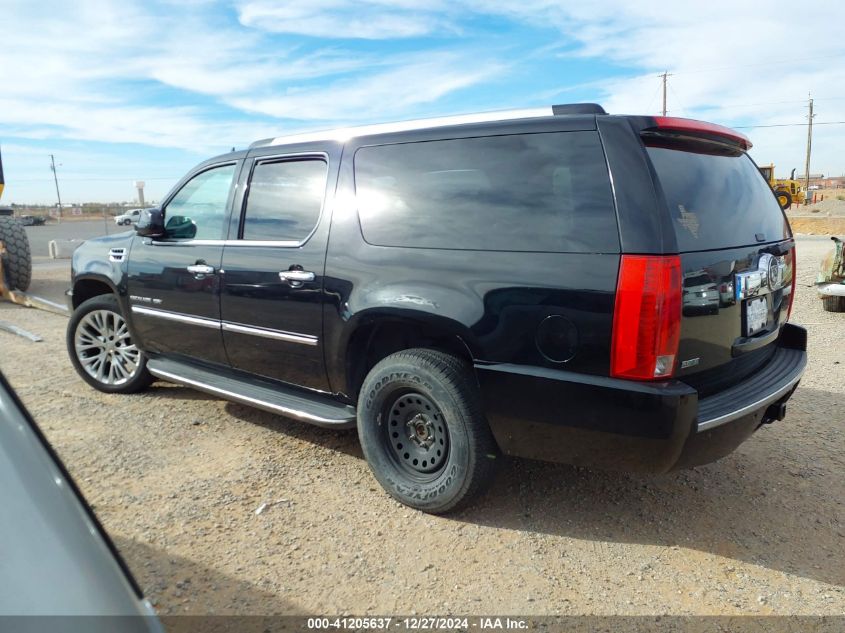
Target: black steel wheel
423,430
417,434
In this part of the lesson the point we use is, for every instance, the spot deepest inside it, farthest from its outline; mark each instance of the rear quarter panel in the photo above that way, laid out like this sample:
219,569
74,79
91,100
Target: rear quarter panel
493,300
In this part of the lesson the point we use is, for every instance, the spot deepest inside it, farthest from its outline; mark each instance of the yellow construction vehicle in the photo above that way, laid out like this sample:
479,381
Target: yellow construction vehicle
787,190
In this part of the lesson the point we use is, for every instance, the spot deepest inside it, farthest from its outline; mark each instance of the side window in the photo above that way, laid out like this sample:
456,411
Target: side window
198,210
521,192
284,199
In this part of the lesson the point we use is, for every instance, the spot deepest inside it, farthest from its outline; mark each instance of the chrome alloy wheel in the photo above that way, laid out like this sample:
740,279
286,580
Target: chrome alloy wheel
105,349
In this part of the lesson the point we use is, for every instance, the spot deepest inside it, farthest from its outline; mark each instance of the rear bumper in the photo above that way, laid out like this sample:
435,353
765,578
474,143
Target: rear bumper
622,425
832,290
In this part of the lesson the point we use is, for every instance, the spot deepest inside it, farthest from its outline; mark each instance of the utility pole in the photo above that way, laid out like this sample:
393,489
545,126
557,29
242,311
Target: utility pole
56,180
809,148
665,76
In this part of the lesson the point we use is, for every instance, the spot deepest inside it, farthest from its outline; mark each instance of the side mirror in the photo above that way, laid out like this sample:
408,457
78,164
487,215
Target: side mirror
151,223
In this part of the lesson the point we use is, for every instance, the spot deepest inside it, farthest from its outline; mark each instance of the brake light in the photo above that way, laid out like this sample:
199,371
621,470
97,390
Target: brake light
791,260
701,128
647,317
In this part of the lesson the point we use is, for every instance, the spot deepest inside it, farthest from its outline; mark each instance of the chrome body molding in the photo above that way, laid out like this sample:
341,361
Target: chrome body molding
237,397
704,425
279,335
253,243
177,316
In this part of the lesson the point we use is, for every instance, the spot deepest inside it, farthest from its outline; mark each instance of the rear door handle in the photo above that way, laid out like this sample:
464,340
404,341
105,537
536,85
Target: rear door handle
296,276
201,269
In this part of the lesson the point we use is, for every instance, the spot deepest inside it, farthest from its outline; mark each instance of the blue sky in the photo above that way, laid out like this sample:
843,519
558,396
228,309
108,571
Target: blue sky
124,91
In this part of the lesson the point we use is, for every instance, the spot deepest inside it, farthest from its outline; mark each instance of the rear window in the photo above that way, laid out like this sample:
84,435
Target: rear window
717,198
530,192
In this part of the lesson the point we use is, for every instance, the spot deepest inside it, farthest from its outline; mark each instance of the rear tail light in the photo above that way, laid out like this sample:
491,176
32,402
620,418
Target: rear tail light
791,261
647,317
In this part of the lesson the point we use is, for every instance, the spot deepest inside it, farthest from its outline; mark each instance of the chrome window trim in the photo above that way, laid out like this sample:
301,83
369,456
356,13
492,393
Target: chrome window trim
253,243
177,316
733,415
256,160
279,335
231,395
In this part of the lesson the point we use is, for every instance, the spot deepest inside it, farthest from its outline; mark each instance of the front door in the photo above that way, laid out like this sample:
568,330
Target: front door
174,281
272,298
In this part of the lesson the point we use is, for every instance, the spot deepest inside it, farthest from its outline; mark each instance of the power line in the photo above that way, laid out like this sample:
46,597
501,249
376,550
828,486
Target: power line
56,179
809,143
777,63
665,76
93,179
749,127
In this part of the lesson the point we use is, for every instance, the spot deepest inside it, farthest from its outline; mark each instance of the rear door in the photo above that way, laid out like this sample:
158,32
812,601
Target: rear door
272,298
737,258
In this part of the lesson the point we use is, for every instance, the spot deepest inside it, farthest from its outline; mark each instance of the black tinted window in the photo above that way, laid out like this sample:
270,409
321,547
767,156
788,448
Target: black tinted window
716,198
284,200
530,192
198,210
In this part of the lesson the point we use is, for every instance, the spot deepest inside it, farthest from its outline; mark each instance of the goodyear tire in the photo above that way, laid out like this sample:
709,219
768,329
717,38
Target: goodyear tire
423,430
833,304
17,262
101,348
784,199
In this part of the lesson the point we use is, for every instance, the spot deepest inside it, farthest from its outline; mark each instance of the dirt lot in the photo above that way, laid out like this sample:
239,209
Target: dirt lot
177,476
824,217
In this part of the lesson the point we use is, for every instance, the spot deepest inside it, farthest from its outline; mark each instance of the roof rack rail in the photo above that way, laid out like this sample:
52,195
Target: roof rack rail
578,108
343,134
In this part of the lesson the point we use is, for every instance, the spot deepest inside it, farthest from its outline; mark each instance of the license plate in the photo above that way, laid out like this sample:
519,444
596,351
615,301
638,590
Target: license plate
756,315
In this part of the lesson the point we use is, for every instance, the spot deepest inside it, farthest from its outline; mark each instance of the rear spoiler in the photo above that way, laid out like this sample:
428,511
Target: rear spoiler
697,129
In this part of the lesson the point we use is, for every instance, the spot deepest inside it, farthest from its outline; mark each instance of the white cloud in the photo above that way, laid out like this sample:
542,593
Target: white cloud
391,93
342,19
733,63
82,70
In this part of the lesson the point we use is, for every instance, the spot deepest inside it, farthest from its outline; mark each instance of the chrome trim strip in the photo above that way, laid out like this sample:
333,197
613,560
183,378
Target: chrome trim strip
344,134
253,243
279,335
733,415
231,395
176,316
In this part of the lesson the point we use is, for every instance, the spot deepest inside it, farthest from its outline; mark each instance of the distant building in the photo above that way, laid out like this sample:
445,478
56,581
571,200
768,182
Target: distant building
831,182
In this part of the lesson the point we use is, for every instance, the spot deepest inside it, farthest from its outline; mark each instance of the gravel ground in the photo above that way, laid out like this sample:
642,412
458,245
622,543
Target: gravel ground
176,477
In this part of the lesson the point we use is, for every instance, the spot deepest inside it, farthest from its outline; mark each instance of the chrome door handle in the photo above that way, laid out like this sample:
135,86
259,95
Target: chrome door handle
296,276
201,269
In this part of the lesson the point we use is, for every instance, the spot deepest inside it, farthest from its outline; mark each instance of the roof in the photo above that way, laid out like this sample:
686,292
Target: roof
346,133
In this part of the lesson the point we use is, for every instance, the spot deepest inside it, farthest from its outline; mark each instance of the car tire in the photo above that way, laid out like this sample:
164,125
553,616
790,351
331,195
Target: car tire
423,430
833,304
17,262
101,349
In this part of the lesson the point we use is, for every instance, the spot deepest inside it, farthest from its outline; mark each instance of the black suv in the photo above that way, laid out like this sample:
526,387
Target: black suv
608,291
